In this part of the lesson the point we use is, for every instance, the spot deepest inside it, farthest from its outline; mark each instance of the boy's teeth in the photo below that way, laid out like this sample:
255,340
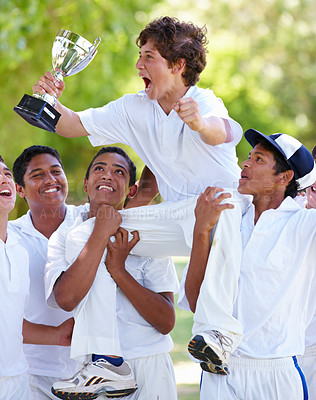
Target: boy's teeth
51,190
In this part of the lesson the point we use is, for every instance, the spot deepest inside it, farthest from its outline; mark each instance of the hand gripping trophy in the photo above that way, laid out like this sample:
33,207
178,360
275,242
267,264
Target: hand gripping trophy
71,53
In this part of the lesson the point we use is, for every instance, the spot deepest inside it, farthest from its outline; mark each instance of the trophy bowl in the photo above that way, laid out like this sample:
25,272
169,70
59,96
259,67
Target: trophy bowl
71,53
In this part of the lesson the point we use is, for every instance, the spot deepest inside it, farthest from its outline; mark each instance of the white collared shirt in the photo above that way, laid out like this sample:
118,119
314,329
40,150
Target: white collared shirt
181,162
43,360
14,290
276,298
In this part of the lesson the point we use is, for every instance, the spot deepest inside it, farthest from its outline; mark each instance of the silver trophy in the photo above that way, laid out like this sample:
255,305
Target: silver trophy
71,53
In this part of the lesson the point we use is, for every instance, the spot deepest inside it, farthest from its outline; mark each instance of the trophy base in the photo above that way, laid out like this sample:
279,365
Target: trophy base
38,112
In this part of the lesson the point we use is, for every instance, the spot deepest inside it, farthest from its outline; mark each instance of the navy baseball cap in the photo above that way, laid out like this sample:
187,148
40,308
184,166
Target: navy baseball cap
300,160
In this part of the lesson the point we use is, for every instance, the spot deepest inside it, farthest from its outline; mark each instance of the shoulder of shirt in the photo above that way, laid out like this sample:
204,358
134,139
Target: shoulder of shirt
195,91
15,238
21,221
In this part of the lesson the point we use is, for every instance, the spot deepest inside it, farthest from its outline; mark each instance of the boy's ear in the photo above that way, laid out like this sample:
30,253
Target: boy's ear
20,190
179,65
286,177
85,184
132,191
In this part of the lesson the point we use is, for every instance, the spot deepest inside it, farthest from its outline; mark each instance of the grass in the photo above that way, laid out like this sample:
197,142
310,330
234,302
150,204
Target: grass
181,334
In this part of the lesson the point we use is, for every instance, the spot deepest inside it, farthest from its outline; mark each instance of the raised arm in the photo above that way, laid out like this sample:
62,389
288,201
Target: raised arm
147,190
213,130
69,124
207,213
73,284
156,308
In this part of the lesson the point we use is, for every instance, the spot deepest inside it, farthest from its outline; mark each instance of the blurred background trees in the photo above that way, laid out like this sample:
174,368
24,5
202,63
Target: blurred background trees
261,62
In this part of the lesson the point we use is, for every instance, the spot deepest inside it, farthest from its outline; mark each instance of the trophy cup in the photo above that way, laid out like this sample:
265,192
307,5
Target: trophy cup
71,53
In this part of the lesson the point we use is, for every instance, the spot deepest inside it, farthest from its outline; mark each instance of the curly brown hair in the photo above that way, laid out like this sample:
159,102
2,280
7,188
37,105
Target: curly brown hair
177,40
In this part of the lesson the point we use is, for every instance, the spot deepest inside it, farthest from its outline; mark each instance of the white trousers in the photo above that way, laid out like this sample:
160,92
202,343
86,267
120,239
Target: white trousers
40,387
253,379
308,364
166,229
155,378
15,388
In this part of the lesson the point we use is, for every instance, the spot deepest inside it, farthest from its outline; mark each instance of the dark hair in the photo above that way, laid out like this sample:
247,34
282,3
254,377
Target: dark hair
1,159
177,40
121,152
314,152
281,165
21,163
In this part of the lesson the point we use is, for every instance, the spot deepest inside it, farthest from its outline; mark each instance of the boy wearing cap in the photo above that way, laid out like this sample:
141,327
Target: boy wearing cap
274,301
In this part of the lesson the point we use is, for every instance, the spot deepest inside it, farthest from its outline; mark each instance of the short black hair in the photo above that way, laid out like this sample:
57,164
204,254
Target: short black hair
121,152
314,152
1,159
21,163
281,165
176,40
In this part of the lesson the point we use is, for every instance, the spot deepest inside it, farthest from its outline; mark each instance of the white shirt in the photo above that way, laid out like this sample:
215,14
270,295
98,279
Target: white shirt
137,337
310,336
43,360
14,290
277,282
181,162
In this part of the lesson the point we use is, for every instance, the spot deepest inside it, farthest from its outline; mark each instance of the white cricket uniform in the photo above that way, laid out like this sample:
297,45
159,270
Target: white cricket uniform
274,305
165,229
47,364
308,361
14,291
111,313
181,162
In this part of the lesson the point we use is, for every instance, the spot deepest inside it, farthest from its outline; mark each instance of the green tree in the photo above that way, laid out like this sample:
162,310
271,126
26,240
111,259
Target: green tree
261,61
27,32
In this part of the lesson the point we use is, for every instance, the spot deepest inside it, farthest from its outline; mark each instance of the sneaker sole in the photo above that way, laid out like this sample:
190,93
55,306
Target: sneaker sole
200,350
74,396
214,369
92,395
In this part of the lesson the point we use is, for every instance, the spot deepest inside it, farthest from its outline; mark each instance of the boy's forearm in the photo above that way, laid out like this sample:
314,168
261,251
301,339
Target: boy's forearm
74,284
156,308
39,334
69,124
215,131
198,261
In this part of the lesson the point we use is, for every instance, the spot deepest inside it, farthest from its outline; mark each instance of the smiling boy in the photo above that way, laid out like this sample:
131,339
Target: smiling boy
14,290
130,298
41,181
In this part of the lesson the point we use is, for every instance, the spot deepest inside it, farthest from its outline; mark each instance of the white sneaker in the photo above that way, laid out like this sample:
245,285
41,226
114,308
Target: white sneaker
96,378
213,349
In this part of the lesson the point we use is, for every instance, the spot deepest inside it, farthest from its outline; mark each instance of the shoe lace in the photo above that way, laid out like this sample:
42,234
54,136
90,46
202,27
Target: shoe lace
223,340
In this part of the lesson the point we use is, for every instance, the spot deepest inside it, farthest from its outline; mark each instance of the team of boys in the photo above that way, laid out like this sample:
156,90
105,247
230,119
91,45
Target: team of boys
250,287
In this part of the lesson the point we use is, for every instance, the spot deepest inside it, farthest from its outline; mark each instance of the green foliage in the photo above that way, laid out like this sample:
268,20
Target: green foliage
27,32
261,62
